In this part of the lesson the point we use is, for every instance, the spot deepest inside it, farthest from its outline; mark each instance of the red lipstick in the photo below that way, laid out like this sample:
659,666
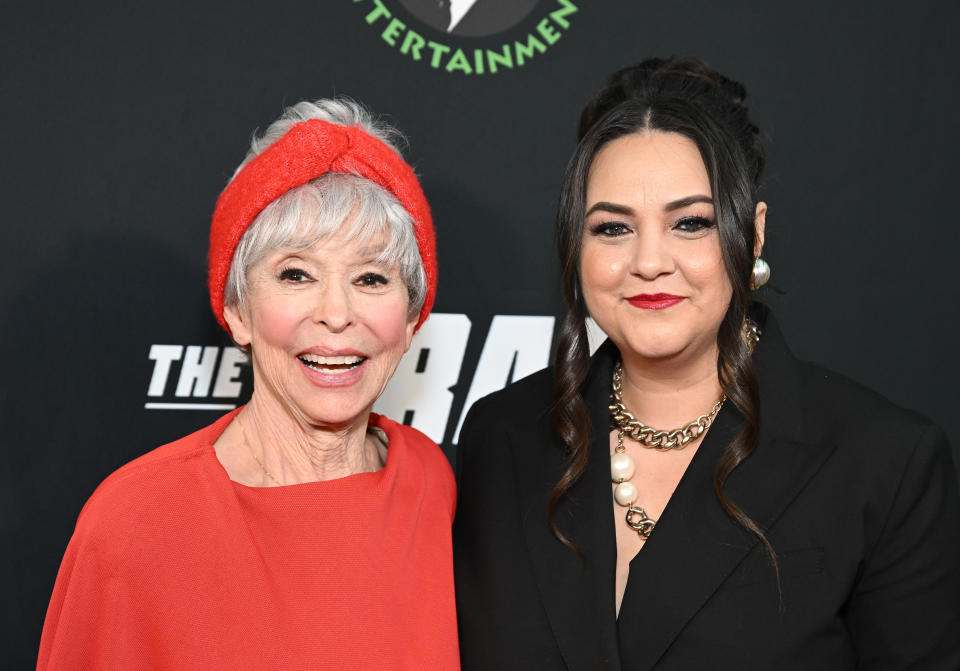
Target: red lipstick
654,301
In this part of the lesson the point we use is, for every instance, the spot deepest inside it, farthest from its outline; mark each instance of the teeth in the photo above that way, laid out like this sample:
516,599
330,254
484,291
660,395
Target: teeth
332,364
331,360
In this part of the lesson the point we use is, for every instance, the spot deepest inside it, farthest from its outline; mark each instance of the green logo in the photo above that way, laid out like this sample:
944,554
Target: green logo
459,19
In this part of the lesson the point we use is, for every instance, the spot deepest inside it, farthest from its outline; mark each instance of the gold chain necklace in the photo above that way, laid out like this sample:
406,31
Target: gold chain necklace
621,465
250,449
647,436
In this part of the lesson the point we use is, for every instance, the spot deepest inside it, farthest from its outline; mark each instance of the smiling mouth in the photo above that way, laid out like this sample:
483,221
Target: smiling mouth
331,365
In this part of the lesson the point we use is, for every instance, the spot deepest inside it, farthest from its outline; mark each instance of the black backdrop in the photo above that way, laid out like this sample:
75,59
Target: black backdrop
121,124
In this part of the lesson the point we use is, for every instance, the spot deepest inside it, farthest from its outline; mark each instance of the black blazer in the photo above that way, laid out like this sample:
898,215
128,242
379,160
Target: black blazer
858,497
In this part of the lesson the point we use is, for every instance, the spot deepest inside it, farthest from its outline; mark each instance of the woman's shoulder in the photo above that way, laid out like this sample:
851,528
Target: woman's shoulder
814,402
157,481
527,398
869,432
842,401
515,417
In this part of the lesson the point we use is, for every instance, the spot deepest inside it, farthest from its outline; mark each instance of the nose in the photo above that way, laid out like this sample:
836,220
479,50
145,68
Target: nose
334,306
652,255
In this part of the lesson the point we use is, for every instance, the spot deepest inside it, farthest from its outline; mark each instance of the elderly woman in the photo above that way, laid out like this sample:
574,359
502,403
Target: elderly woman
300,531
778,516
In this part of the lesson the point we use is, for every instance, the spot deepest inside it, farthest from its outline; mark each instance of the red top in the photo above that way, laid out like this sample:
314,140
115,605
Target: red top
174,566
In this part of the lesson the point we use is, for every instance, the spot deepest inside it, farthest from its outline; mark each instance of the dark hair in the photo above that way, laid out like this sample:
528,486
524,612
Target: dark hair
682,96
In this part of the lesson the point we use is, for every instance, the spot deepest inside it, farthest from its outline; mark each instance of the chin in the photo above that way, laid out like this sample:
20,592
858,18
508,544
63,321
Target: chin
653,350
668,344
651,341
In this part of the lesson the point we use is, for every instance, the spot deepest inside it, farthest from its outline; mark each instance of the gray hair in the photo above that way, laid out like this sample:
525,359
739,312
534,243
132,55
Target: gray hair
313,212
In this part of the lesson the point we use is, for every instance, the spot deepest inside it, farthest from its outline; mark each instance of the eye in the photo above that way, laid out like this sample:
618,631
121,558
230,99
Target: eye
693,224
293,275
609,229
372,280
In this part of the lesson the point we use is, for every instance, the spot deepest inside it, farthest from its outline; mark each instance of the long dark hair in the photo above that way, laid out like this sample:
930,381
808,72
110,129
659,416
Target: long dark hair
682,96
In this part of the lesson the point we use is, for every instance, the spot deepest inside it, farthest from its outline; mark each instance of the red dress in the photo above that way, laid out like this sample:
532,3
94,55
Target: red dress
174,566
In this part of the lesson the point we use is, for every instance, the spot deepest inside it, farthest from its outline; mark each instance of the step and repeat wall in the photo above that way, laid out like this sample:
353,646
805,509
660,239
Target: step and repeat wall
121,126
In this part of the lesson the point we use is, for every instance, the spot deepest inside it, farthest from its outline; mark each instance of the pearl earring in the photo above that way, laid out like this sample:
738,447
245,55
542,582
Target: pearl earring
760,274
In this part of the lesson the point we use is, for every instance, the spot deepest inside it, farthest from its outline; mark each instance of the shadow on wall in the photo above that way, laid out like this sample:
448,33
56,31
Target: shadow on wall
76,340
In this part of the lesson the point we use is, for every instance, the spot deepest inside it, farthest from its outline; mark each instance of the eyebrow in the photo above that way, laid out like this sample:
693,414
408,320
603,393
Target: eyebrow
371,252
615,208
685,202
372,256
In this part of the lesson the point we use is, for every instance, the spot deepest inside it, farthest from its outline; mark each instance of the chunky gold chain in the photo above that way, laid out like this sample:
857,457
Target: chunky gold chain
638,520
674,439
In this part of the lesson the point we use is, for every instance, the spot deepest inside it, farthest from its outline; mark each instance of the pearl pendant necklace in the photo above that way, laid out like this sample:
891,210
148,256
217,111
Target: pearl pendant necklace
621,465
625,493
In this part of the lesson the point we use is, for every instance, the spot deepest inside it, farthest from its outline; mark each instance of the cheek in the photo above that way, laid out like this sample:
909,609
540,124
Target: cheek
705,270
276,323
388,323
600,268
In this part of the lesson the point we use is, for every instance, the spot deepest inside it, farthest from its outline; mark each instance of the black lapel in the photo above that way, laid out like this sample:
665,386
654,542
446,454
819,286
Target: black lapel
577,590
696,545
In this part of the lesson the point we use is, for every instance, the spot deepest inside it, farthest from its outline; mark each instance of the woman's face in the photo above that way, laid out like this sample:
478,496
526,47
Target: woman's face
326,327
651,268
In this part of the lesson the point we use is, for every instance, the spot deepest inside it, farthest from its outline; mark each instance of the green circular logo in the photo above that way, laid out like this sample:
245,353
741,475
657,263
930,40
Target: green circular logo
476,19
470,18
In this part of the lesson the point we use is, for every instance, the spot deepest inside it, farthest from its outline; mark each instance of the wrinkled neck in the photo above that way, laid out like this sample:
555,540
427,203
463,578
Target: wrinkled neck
292,450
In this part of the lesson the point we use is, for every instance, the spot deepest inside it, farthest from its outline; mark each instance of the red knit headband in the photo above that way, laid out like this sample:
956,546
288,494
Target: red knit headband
307,151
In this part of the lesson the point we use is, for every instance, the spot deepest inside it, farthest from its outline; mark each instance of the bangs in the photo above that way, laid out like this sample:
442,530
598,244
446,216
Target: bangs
332,204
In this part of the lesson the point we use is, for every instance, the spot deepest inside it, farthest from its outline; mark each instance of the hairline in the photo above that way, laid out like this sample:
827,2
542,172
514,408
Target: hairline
399,250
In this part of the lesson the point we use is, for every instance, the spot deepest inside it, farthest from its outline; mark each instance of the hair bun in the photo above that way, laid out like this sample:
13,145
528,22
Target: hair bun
658,78
658,81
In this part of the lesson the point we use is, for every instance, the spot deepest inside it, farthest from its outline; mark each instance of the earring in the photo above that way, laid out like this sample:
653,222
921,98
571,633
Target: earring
750,332
760,274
